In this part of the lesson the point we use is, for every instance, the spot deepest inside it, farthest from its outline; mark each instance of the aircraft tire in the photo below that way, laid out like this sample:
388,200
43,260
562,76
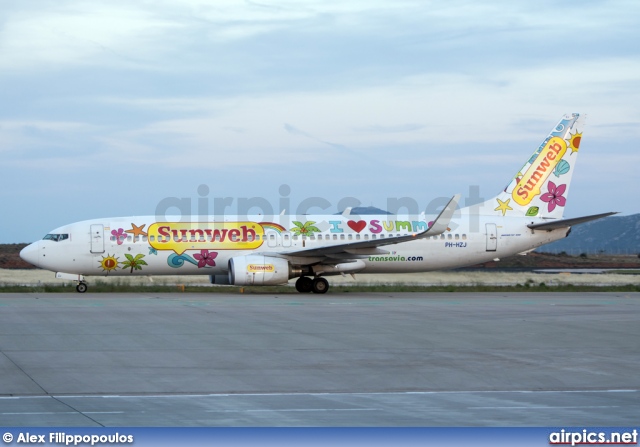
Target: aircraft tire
81,287
320,285
304,284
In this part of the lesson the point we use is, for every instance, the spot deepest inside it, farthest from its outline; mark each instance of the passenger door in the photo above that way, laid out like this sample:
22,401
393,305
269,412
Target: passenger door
97,238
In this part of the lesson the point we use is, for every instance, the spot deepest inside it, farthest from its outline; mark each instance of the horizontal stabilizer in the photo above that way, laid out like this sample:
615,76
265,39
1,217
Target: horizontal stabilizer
564,223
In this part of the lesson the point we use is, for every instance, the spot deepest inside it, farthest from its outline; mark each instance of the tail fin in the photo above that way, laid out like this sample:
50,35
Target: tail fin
541,186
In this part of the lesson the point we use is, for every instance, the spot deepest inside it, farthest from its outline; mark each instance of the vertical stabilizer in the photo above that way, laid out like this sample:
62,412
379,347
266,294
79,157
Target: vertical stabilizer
540,188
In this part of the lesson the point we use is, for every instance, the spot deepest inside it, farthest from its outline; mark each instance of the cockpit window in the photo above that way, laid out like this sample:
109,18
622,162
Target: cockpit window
56,237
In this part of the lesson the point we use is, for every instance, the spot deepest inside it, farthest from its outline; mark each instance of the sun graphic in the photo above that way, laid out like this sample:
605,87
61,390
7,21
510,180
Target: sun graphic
109,263
574,142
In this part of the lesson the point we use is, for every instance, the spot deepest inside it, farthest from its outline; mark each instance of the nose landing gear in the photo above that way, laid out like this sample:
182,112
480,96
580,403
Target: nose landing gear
82,285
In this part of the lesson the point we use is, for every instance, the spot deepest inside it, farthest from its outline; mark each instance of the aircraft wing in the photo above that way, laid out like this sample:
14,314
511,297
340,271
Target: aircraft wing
564,223
354,250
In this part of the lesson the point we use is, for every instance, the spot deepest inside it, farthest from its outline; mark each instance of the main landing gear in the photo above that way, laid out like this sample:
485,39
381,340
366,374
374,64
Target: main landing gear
82,287
304,284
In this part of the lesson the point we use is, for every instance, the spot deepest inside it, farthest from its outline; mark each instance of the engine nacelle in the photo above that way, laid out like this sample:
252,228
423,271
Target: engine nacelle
259,270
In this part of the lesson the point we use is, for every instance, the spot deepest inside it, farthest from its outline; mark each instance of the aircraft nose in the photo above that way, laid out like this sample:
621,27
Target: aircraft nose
30,253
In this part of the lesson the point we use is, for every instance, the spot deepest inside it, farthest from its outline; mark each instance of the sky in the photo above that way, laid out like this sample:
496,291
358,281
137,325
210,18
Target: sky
119,108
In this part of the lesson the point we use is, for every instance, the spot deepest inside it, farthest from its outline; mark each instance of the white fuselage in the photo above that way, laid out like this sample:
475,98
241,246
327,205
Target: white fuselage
144,246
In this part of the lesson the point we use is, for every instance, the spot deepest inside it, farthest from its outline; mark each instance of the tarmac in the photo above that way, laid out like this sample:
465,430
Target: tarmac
353,359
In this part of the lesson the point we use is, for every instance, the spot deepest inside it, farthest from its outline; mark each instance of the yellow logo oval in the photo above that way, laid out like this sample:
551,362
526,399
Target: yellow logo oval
182,236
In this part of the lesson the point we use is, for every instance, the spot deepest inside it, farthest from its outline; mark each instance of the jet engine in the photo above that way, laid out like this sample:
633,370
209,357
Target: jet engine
260,270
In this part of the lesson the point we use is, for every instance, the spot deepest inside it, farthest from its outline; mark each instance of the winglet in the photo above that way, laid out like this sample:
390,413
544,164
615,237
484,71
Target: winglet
441,223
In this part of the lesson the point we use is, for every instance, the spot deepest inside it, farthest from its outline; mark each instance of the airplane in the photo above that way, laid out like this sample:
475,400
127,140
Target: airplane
247,250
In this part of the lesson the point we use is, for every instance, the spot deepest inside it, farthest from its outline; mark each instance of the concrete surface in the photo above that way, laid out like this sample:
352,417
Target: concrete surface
447,359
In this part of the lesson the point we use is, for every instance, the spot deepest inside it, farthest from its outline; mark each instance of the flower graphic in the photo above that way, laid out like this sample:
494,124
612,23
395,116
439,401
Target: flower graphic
554,196
206,258
119,235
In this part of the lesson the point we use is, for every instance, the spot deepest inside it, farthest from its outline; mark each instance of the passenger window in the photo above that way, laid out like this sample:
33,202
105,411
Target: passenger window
457,237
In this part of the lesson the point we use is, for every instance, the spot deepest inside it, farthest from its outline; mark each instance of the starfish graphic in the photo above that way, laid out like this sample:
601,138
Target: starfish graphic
503,206
137,230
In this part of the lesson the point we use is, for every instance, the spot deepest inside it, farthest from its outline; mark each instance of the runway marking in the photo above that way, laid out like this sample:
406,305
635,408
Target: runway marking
102,412
541,407
64,412
334,393
293,410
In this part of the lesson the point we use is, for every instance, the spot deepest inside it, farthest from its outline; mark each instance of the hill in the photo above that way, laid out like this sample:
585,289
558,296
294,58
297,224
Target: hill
612,235
365,210
10,257
535,261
